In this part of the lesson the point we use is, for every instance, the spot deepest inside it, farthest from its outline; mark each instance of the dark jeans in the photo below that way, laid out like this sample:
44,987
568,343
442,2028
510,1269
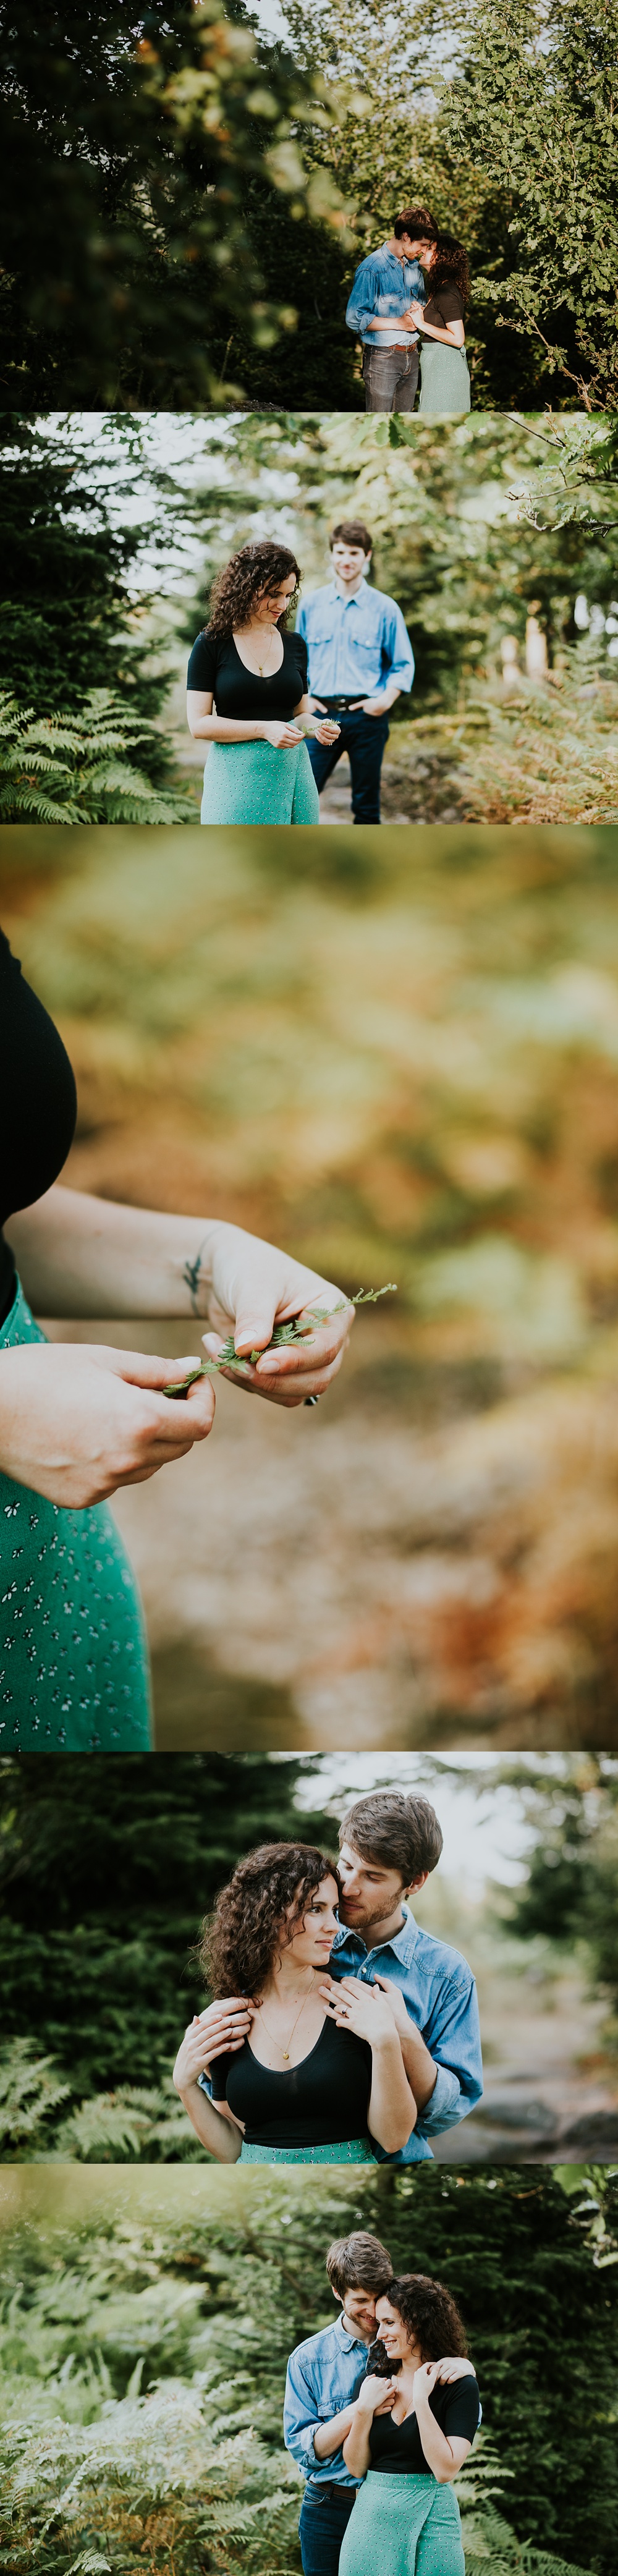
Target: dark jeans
325,2513
391,378
365,739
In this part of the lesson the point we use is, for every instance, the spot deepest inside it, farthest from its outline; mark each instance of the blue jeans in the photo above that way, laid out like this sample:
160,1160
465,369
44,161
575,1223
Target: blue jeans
324,2516
391,378
365,739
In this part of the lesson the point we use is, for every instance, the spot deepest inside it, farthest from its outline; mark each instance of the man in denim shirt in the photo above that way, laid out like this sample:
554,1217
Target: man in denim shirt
385,286
359,660
389,1843
323,2379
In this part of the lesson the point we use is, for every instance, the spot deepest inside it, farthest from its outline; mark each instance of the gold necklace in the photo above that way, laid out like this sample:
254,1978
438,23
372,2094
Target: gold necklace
262,665
276,2042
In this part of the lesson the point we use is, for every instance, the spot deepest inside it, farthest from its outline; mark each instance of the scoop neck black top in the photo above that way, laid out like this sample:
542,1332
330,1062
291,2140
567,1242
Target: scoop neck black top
397,2448
37,1090
317,2104
445,306
215,665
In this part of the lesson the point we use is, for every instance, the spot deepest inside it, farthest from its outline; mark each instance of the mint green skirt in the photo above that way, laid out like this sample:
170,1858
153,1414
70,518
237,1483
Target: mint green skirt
445,380
73,1654
249,782
348,2151
403,2526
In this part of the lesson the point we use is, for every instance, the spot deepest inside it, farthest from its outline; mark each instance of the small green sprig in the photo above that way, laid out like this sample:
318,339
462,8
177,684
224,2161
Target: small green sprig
281,1338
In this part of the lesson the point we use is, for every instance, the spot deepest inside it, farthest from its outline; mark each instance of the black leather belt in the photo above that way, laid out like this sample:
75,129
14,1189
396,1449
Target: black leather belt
341,705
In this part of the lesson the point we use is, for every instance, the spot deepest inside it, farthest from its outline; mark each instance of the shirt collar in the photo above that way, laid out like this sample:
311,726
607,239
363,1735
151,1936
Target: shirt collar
402,1945
355,595
348,2340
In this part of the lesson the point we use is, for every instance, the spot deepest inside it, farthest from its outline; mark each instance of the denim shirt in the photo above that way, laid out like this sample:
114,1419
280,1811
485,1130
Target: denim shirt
323,2375
384,285
440,1996
355,645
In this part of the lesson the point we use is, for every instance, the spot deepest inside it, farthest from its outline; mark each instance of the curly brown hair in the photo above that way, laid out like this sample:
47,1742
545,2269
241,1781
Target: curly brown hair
239,1941
428,2313
236,587
450,268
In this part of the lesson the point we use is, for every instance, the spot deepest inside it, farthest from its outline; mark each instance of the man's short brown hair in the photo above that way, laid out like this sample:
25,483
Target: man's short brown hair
416,222
402,1833
351,532
358,2262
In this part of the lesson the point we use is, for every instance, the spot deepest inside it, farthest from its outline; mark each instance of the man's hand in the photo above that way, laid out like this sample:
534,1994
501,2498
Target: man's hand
215,2033
455,2367
378,706
397,2004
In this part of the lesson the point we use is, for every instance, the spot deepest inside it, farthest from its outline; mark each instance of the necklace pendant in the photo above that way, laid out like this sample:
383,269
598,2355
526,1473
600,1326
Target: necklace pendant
285,2053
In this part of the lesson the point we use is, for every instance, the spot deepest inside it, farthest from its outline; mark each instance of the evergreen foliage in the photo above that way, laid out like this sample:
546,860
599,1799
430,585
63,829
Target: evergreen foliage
127,241
77,769
571,1890
68,622
143,2366
535,107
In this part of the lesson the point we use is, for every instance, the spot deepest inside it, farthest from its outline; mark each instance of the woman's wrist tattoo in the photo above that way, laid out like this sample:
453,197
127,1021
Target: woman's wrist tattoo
191,1274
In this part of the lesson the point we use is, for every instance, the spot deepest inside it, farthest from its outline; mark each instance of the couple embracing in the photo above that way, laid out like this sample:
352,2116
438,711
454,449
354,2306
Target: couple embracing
339,2031
408,301
380,2412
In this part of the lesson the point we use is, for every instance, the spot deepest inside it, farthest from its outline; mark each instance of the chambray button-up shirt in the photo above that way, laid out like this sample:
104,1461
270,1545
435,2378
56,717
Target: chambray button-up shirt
354,645
324,2375
384,286
440,1995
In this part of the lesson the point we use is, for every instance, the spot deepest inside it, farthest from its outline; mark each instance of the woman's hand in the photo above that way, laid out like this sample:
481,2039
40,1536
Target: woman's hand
414,314
423,2382
215,2033
355,2006
253,1287
284,737
79,1420
376,2397
326,731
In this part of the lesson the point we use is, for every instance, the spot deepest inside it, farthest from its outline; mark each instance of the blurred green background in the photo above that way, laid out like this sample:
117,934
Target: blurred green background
395,1054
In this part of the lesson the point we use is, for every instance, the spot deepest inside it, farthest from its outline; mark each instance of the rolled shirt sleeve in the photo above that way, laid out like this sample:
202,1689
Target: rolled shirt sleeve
456,2049
363,302
300,2418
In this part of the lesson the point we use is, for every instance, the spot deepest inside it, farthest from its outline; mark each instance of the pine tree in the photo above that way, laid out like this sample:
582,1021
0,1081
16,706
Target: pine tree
104,1880
128,253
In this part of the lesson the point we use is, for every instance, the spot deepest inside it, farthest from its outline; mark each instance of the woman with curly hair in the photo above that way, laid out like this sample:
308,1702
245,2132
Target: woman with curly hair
445,379
282,2068
247,695
410,2435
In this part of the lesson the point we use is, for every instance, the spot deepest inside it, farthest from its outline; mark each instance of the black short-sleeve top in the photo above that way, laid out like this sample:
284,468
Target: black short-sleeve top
397,2448
445,306
317,2104
215,666
38,1105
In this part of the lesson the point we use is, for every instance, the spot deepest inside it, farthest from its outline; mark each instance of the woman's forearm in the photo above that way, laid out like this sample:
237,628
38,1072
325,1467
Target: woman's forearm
435,2447
225,729
79,1255
356,2451
215,2131
391,2115
330,2437
431,333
